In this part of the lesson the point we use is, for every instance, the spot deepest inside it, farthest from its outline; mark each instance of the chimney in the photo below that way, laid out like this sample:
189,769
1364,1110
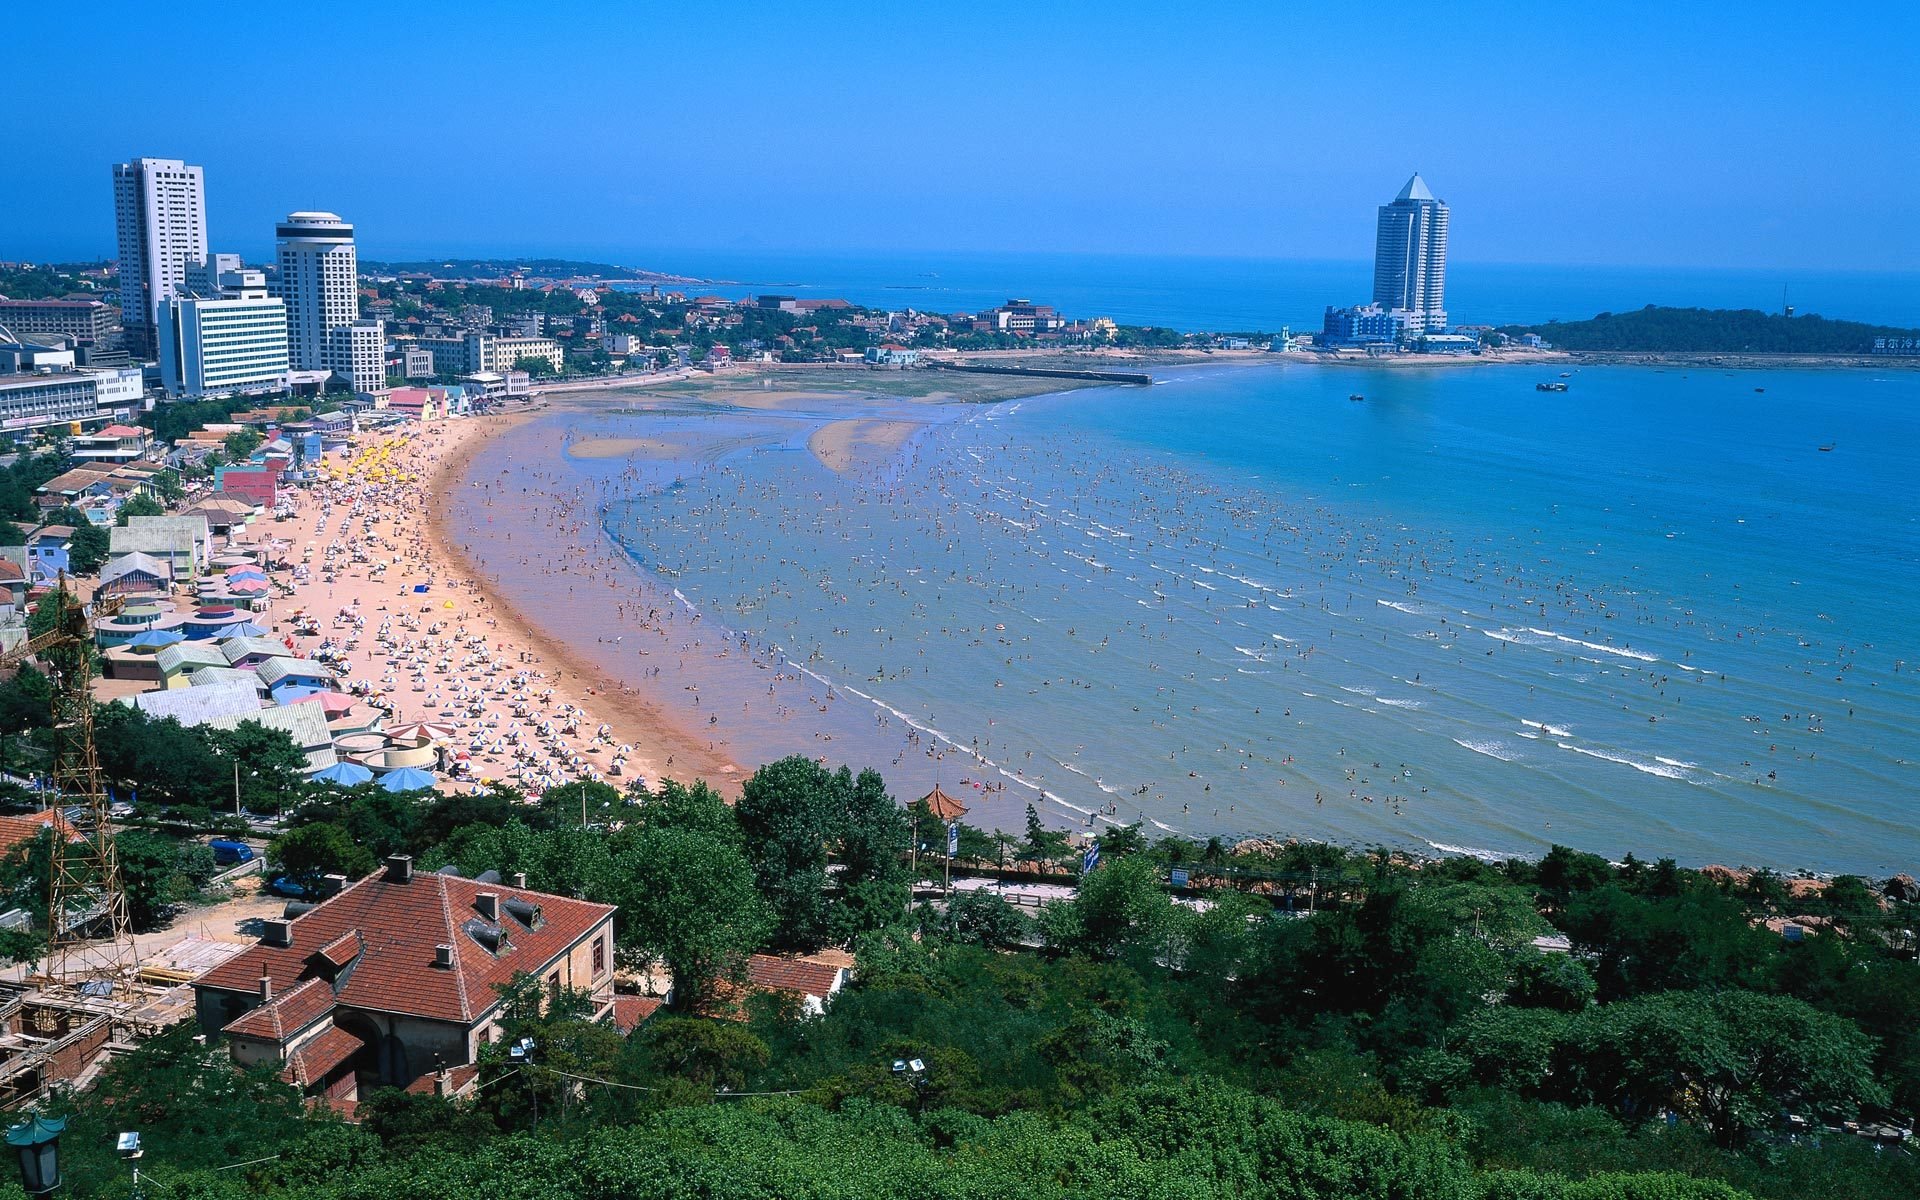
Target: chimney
489,905
276,932
332,885
266,988
400,868
518,879
443,955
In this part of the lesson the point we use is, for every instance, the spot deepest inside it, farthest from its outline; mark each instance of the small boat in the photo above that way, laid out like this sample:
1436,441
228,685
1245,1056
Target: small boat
1356,397
1758,390
1827,449
1550,387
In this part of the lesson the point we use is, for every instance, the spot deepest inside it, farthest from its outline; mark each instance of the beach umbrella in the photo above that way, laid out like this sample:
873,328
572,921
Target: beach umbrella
407,779
421,731
345,774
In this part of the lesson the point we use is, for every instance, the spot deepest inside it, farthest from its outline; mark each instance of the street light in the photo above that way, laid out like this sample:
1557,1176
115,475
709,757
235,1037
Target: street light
37,1140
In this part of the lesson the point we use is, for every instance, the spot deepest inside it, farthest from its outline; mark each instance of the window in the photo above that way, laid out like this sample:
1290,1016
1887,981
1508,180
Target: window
599,956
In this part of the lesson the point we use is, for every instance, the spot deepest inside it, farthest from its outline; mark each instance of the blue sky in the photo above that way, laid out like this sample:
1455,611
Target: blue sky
1763,134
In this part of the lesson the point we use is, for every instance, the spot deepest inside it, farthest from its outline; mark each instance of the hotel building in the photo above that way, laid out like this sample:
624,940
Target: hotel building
160,217
1410,259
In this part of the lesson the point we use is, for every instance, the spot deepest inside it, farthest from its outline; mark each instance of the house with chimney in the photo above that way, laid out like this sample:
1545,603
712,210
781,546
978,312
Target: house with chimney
395,980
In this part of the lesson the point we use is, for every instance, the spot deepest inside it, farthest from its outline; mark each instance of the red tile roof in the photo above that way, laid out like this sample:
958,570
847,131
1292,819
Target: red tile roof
312,1061
804,976
286,1014
342,950
25,827
459,1079
400,925
630,1011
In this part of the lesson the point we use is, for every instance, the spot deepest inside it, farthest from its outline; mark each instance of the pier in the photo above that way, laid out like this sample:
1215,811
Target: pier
1136,378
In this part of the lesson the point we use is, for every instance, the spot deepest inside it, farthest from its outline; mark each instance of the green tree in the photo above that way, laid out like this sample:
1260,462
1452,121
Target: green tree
88,550
689,900
695,809
1120,907
160,875
310,852
712,1055
872,842
167,483
786,814
271,768
241,443
979,918
138,505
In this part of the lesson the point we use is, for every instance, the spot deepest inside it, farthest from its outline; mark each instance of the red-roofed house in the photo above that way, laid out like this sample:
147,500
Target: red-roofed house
397,978
418,403
809,978
114,444
18,830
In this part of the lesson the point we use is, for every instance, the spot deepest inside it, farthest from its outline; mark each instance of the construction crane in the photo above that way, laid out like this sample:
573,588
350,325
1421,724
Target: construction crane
84,888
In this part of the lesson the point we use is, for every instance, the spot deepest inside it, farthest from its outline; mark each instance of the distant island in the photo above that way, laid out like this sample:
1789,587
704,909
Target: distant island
1657,330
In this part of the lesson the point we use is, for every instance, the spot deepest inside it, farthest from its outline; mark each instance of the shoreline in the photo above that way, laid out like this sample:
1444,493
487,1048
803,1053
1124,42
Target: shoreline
665,732
635,718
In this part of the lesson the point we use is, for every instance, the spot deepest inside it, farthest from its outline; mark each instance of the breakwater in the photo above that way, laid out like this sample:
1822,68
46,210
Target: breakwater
1137,378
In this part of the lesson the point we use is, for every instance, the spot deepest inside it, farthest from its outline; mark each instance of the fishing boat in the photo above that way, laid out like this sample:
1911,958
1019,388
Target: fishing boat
1356,397
1549,386
1827,449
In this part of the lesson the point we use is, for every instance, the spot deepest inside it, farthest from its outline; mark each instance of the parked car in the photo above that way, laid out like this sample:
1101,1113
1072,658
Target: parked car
285,886
228,853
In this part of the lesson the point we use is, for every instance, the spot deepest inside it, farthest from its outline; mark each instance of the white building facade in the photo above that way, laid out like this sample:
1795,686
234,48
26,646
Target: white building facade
217,346
358,353
319,283
160,220
1410,259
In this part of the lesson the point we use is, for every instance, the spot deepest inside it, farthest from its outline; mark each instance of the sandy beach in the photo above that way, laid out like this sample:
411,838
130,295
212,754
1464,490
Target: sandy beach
514,698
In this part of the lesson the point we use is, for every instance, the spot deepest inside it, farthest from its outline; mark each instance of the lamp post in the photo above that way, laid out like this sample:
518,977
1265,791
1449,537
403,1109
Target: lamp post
914,1072
37,1141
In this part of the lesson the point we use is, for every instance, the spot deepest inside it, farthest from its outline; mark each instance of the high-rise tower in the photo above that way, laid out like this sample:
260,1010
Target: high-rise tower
160,217
1410,257
319,281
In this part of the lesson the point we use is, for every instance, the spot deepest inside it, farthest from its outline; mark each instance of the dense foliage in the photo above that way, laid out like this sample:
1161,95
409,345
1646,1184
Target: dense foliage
1315,1022
1658,330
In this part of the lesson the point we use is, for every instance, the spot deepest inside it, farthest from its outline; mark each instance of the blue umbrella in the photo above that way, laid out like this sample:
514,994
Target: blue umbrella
407,779
345,774
156,638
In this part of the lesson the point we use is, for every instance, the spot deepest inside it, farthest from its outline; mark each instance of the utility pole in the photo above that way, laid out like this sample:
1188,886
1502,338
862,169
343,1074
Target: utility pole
913,862
236,787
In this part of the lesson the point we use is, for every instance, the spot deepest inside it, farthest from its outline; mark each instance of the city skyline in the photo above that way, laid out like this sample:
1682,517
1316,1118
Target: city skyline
901,139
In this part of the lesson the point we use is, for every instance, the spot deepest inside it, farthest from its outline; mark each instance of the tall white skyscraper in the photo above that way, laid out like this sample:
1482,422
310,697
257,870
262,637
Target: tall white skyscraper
1410,257
319,281
160,217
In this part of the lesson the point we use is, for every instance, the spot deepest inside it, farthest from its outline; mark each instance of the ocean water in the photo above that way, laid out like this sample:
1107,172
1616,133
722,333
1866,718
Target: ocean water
1650,613
1264,294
